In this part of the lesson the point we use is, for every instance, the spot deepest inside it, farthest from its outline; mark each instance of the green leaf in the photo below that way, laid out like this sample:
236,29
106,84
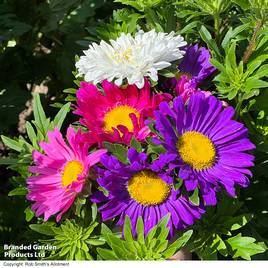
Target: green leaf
70,90
8,161
60,116
95,242
253,82
233,33
31,134
117,246
231,58
128,230
45,229
206,36
18,191
39,115
12,144
135,144
262,71
117,150
164,230
94,211
195,197
140,231
29,214
150,235
106,254
244,247
178,244
239,221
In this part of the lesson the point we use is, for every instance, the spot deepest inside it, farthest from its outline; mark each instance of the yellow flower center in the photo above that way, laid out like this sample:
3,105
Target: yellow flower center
179,74
123,56
147,188
196,149
119,115
71,172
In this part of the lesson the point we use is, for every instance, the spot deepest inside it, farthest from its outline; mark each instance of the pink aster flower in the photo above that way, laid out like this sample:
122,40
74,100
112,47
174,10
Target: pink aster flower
186,87
116,114
62,171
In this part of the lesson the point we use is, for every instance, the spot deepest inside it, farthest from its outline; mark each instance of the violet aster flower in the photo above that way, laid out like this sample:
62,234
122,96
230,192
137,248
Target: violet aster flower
143,189
210,146
195,63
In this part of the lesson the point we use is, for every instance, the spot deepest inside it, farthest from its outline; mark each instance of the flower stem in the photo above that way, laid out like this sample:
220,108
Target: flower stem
217,25
252,43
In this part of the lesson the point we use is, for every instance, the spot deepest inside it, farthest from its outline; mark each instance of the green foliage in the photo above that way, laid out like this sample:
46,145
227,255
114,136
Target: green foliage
210,7
140,5
36,132
71,240
244,247
214,236
153,246
239,80
118,150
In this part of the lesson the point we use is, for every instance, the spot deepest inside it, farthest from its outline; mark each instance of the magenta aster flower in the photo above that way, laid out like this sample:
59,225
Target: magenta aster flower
143,189
185,88
62,171
118,113
209,145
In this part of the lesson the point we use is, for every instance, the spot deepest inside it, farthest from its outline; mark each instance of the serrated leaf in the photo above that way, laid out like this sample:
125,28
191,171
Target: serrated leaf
117,150
244,247
135,144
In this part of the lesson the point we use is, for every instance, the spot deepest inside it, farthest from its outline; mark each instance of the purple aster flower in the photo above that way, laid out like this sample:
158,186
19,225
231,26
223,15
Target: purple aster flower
194,69
195,63
210,146
142,189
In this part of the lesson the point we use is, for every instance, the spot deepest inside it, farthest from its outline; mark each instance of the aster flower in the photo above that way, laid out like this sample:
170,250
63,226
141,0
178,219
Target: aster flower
118,113
195,64
209,145
185,88
194,69
143,189
62,171
130,58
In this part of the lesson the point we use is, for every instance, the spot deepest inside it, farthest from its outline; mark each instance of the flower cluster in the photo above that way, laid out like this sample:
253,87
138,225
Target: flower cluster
168,139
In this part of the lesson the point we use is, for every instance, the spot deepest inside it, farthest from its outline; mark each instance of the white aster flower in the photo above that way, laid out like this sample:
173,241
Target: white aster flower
131,58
